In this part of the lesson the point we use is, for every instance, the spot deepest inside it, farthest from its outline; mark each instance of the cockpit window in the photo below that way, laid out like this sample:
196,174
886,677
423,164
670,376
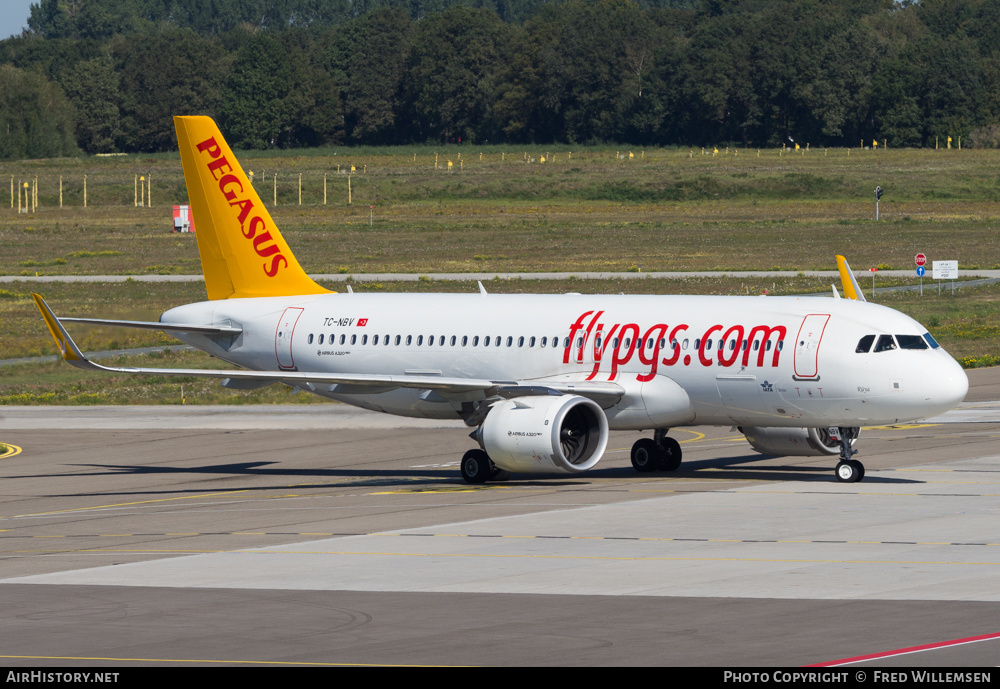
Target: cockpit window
911,342
931,341
865,344
885,343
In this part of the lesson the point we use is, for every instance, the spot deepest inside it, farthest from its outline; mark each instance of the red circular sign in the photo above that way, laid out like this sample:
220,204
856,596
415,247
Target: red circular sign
920,259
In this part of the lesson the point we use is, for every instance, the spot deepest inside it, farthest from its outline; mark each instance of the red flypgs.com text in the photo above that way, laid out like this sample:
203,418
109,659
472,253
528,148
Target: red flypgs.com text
589,335
232,188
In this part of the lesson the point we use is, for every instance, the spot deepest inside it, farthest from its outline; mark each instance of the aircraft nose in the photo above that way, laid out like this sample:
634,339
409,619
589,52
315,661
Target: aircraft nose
950,385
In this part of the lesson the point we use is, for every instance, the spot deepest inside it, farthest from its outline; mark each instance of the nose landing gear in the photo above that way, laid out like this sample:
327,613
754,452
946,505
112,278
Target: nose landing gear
848,470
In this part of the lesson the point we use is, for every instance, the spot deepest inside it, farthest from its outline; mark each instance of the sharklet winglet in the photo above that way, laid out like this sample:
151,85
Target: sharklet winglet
847,280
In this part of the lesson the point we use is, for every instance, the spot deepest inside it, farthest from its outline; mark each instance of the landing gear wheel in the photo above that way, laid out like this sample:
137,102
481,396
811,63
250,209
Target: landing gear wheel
850,471
645,455
477,467
670,455
861,469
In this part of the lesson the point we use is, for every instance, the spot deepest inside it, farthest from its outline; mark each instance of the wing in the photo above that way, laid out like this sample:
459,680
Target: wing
153,325
346,383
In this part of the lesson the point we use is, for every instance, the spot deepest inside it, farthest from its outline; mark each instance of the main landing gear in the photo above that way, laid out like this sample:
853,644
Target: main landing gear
658,453
477,467
848,470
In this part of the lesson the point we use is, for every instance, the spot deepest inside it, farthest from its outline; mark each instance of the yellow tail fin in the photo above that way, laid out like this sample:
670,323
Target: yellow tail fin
242,252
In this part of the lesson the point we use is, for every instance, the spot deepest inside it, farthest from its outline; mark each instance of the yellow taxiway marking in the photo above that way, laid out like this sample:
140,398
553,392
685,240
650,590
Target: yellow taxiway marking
10,452
899,426
697,436
127,504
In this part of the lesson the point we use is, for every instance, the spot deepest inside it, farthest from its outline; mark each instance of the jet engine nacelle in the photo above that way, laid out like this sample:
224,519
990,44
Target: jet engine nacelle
809,442
564,434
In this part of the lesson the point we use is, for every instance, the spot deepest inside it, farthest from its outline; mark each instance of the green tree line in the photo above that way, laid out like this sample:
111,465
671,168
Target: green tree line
107,75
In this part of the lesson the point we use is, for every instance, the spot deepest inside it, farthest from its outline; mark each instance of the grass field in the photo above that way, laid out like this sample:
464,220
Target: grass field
661,210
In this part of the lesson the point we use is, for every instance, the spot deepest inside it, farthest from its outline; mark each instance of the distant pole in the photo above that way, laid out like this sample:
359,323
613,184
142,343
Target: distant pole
135,200
12,192
142,193
324,188
85,191
60,191
348,190
275,188
300,188
149,190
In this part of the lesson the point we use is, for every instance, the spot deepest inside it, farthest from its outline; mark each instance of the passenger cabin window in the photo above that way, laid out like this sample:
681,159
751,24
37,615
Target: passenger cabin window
885,343
865,344
911,342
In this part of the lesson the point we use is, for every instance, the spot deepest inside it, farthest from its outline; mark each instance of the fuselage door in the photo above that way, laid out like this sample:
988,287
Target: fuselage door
807,345
283,336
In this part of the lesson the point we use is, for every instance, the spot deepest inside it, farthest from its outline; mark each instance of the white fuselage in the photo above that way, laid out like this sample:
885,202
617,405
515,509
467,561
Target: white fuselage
782,361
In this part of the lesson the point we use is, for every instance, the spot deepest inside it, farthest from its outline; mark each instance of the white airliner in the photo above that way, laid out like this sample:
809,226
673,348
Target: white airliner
542,378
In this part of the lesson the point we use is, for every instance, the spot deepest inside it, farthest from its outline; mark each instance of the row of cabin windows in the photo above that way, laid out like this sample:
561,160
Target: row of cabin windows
886,343
441,340
489,341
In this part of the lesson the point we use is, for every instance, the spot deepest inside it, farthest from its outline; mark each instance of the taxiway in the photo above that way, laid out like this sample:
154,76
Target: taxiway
327,535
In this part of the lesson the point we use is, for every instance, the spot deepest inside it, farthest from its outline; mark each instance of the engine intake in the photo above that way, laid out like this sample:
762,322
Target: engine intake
542,434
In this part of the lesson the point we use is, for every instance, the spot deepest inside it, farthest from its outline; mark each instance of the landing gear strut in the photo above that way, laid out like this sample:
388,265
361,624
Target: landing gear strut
848,470
658,453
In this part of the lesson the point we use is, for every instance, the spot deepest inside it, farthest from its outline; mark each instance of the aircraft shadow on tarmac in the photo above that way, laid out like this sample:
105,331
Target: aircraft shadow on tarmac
715,469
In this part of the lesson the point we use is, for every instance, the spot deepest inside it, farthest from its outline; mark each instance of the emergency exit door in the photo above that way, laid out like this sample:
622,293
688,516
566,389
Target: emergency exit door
283,336
806,360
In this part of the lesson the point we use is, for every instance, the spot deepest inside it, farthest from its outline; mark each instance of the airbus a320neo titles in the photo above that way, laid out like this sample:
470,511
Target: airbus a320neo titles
542,379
